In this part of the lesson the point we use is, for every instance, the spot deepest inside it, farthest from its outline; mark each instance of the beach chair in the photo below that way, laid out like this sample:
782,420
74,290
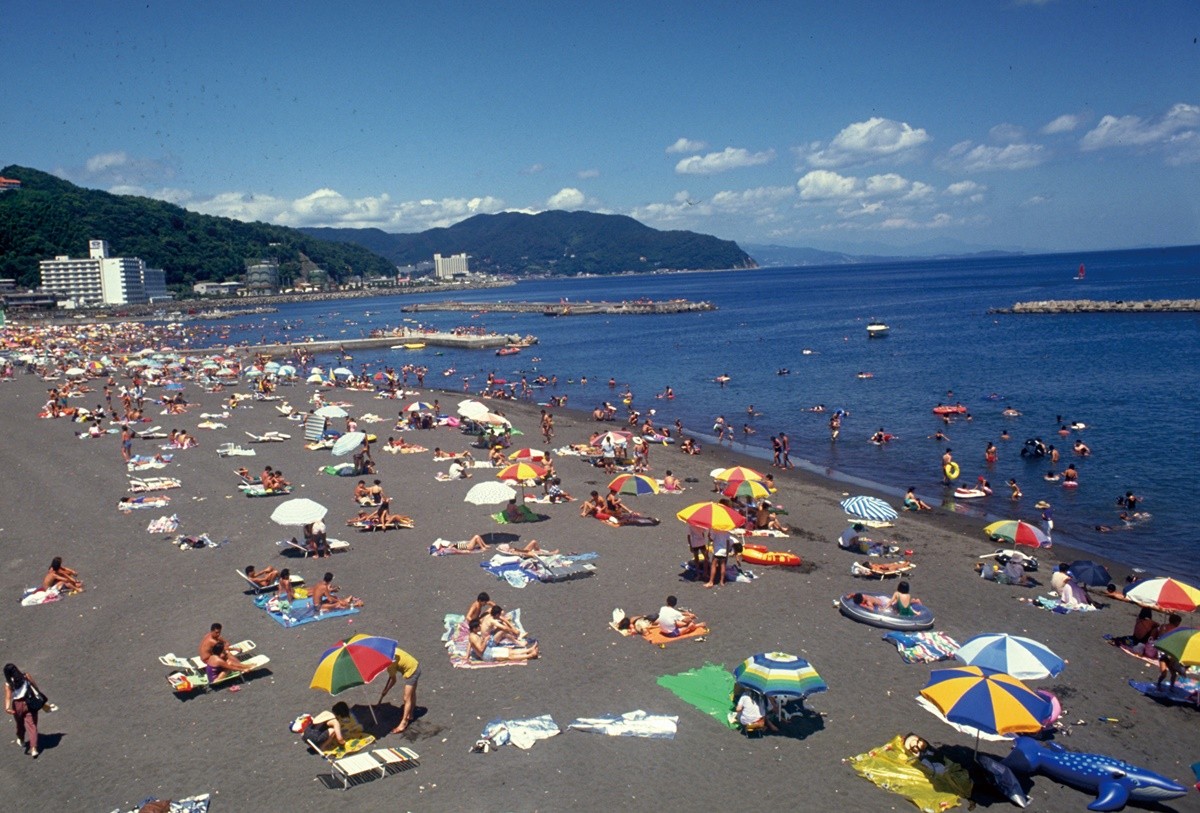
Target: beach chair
366,766
335,546
268,437
233,450
297,581
184,681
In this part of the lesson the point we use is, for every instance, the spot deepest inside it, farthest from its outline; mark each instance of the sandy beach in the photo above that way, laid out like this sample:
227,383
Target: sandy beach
121,735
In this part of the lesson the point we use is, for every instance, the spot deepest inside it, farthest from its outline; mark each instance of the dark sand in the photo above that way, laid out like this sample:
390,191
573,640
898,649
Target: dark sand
121,735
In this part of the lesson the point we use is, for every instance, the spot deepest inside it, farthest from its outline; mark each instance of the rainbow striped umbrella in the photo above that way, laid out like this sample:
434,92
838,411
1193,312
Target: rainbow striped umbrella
711,515
521,472
354,662
753,489
633,484
1183,644
778,674
1017,532
991,702
1164,593
736,474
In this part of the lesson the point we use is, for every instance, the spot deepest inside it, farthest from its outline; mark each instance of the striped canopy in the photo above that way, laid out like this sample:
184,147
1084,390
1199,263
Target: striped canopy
633,484
711,515
1165,593
1183,644
521,472
778,674
1022,658
352,663
871,508
753,489
991,701
1017,532
738,473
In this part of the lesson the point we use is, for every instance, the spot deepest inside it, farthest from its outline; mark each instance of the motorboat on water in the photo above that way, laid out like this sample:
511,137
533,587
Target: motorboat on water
876,330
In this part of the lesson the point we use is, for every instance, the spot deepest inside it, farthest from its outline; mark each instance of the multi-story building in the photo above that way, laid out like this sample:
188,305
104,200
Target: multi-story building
99,279
262,277
449,267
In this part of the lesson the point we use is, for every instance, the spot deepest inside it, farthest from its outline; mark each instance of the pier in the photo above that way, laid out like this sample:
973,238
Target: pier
1100,306
397,338
636,307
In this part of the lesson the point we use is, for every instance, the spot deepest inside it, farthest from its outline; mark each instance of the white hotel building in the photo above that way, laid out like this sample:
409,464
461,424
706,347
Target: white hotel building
100,279
449,267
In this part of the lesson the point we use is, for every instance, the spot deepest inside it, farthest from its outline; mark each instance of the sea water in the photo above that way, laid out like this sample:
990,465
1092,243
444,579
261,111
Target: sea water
1131,378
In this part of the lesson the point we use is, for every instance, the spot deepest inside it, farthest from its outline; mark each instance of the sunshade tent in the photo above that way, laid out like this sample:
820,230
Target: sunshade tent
736,474
331,411
711,515
778,674
490,493
990,701
1023,658
1017,532
866,507
1183,644
347,443
353,662
1167,593
298,511
633,484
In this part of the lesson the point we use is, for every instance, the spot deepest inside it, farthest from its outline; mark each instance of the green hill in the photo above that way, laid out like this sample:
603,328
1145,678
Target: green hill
49,216
552,243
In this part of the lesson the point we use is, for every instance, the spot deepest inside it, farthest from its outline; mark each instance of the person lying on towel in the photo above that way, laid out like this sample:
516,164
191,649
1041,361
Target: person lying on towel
481,648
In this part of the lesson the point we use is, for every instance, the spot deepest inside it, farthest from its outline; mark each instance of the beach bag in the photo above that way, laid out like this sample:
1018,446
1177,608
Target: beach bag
301,723
34,699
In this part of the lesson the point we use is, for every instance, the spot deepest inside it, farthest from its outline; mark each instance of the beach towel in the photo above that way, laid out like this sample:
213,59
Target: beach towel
137,485
298,612
1136,651
733,572
708,688
34,596
655,635
351,746
527,515
164,525
192,804
1054,605
923,647
142,503
521,733
193,542
1185,691
892,768
630,724
338,470
455,639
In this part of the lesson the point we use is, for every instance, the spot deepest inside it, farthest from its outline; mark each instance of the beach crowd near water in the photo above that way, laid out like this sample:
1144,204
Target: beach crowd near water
144,470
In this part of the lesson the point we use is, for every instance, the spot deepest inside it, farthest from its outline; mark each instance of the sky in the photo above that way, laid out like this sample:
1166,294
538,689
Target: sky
1057,125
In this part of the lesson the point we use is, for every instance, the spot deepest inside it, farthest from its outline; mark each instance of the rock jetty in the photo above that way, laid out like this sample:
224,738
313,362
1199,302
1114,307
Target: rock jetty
639,306
1099,306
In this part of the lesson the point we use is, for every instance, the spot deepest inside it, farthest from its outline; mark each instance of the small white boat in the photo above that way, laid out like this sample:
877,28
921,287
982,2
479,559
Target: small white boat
877,329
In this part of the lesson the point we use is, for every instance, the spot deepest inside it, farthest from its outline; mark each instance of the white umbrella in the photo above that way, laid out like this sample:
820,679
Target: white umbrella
347,443
316,371
298,511
472,409
490,492
494,419
343,372
287,371
331,411
76,371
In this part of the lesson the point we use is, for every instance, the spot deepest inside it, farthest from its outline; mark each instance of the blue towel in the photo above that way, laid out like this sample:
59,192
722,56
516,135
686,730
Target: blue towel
301,612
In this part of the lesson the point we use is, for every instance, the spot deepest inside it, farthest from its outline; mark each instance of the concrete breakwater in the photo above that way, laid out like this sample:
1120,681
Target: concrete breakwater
1100,306
468,341
636,307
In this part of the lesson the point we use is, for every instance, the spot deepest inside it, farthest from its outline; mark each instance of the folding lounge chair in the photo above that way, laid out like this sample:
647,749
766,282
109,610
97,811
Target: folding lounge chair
189,678
233,450
258,588
335,546
365,766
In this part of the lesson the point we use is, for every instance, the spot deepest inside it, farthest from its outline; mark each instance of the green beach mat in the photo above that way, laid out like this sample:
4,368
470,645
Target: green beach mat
709,688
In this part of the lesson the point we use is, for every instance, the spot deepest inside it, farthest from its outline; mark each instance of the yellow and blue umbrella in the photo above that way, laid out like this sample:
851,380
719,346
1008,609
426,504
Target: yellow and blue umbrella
633,484
1183,644
353,662
986,700
778,674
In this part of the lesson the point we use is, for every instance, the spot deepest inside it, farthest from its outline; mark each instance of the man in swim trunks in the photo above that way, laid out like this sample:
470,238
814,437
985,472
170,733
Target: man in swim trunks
211,640
480,650
324,598
785,451
61,577
947,459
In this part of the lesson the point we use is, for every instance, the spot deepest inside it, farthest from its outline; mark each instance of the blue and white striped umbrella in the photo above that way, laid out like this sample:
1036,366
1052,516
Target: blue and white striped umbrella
871,508
1023,658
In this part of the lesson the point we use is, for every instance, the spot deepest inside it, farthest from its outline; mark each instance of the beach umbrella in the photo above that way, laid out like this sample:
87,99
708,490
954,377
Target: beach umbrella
1090,573
315,378
489,493
493,419
521,472
1183,644
1017,532
347,443
711,515
472,409
616,437
298,511
271,367
75,372
331,411
418,406
871,508
736,474
778,674
990,701
353,662
527,454
1023,658
316,371
226,372
633,484
1165,594
287,370
253,373
753,489
342,372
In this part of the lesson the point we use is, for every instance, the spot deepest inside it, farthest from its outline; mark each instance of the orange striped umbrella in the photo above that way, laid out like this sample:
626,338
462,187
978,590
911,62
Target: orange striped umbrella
738,473
711,515
521,472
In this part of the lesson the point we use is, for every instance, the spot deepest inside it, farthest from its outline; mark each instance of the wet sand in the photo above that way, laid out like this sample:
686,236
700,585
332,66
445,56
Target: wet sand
121,735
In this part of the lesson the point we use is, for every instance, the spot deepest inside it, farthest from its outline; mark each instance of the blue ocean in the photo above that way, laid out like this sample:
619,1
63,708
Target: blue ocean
1131,379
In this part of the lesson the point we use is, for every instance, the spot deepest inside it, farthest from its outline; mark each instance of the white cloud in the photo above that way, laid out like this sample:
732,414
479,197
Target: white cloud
918,191
968,157
105,161
566,198
120,170
1035,200
169,194
867,141
964,189
1007,134
758,201
1063,124
821,184
533,169
886,185
686,145
585,174
729,158
1176,132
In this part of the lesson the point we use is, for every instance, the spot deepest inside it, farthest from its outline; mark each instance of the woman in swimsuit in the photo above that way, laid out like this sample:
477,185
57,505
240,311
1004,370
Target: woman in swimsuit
902,600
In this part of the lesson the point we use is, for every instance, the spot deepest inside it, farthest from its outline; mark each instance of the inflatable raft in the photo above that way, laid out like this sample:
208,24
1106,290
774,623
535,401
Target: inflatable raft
759,555
921,619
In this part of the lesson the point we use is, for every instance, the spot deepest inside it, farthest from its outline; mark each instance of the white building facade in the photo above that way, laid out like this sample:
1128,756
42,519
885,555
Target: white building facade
449,267
100,279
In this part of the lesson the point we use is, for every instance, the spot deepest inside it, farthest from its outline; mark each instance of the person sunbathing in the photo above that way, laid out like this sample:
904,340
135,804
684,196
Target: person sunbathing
914,503
671,482
614,506
262,578
361,495
479,607
593,506
868,602
767,520
324,597
479,648
514,512
286,591
672,621
497,628
555,492
529,551
245,474
466,546
220,664
902,600
63,578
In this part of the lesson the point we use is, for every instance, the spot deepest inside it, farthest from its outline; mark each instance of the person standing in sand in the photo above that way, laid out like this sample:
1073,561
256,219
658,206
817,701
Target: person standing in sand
785,451
409,668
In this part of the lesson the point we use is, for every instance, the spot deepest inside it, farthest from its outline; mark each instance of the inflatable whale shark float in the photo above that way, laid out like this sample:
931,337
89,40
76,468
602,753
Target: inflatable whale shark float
1114,782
